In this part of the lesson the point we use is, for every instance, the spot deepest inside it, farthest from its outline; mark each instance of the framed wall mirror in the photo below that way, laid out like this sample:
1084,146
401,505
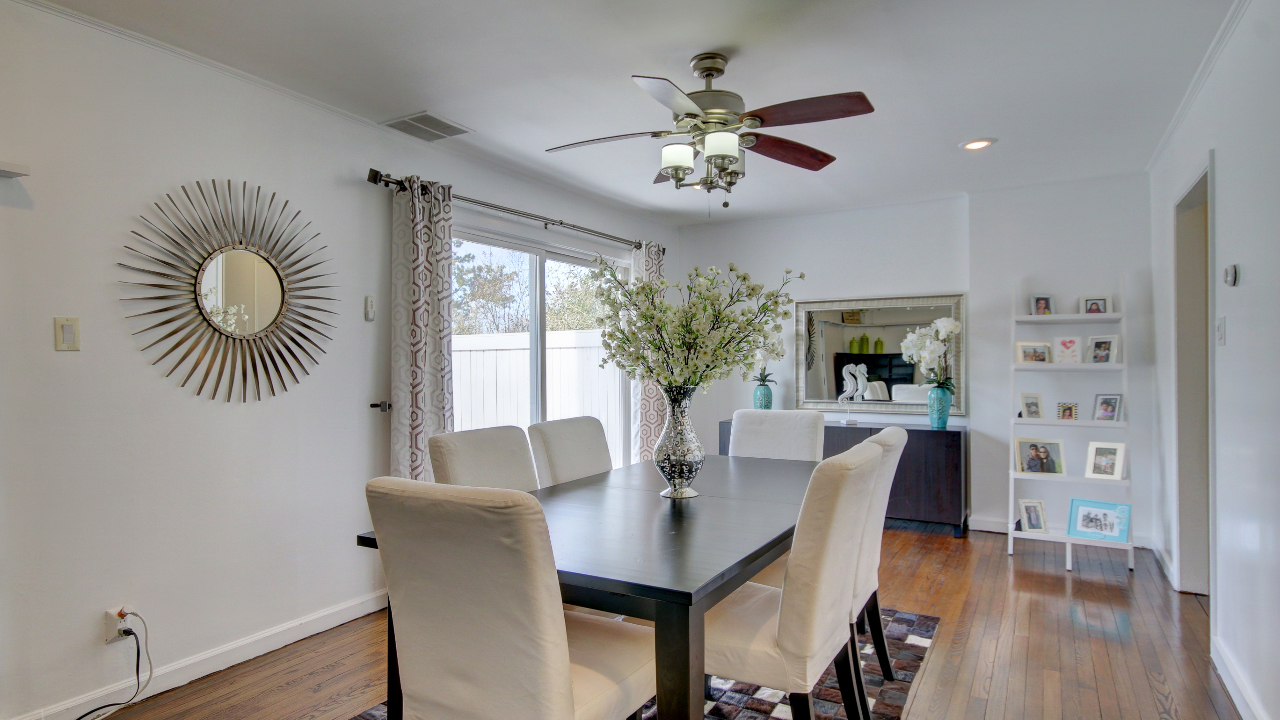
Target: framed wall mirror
833,334
238,279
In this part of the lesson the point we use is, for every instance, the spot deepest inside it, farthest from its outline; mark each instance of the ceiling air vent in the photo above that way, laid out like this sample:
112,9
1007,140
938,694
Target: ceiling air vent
427,127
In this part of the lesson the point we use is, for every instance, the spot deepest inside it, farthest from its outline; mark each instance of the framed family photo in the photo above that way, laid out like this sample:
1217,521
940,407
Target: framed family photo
1107,407
1103,349
1031,403
1041,304
1094,520
1033,516
1068,411
1067,349
1033,352
1093,304
1040,456
1105,461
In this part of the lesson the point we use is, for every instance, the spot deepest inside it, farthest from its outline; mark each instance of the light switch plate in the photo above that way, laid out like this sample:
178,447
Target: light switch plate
66,333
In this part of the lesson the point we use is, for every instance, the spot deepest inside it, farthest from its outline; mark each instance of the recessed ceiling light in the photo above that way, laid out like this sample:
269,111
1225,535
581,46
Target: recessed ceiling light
978,144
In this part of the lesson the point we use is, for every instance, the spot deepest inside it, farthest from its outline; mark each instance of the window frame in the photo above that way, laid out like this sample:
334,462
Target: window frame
540,252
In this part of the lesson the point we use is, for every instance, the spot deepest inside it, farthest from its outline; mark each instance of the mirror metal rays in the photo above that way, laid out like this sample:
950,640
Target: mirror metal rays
238,282
868,332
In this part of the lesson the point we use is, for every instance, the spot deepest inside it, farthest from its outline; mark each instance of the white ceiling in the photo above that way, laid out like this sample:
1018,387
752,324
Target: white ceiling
1072,89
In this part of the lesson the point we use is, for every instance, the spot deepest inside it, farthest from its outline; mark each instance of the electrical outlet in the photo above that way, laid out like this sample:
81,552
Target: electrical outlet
115,622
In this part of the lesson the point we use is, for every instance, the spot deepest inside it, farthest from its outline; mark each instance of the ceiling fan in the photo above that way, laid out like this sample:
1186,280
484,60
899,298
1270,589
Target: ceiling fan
719,128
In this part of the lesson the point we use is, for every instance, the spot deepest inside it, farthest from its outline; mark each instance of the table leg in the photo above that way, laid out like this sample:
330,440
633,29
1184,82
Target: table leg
395,697
680,649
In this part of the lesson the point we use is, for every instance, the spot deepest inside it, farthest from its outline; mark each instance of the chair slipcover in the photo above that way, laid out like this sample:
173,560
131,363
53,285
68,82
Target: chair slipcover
565,450
892,440
785,638
479,629
492,457
777,434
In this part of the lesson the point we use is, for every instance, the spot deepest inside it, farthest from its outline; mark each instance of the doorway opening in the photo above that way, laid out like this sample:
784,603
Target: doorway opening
1193,383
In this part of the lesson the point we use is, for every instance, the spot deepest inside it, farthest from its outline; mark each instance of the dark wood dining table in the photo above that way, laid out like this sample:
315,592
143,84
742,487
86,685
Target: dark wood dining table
621,547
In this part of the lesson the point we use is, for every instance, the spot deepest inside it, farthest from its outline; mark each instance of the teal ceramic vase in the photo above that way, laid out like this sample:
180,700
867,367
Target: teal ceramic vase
939,407
763,398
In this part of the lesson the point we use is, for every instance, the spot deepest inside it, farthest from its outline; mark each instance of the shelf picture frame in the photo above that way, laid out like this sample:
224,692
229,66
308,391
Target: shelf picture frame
1068,411
1033,517
1102,349
1105,460
1031,404
1067,349
1108,407
1034,352
1047,457
1096,305
1041,304
1097,520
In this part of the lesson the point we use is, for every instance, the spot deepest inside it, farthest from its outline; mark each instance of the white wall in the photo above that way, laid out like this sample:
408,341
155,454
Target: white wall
1066,238
229,526
914,249
1233,115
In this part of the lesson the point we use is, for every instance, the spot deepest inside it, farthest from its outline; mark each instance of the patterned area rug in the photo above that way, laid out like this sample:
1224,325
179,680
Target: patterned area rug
909,637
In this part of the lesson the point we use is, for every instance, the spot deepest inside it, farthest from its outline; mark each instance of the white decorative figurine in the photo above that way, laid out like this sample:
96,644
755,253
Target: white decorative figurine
855,388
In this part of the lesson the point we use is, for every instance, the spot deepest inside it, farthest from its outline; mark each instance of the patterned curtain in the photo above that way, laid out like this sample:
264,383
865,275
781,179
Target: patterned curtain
421,324
648,409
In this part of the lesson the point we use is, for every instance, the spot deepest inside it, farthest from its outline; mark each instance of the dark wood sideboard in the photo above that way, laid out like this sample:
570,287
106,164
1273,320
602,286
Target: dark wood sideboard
932,483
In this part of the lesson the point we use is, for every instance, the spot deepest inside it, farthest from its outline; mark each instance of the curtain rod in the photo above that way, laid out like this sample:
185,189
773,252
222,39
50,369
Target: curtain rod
380,178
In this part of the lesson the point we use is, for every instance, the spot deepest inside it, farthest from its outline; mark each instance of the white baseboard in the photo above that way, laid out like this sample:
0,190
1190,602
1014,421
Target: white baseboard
184,671
1248,704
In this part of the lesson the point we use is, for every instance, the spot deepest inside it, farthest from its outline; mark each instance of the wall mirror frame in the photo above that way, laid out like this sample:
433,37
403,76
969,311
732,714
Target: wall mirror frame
822,333
238,280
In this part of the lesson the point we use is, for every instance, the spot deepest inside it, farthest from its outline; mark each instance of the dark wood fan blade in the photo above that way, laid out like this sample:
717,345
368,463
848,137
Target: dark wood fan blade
611,138
666,92
815,109
790,152
662,177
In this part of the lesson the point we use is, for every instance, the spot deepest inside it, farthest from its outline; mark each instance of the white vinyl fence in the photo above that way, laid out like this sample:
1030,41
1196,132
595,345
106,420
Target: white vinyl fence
491,382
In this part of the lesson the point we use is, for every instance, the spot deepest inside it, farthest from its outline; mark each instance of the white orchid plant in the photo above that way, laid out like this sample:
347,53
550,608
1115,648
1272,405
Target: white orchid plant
223,317
930,350
722,323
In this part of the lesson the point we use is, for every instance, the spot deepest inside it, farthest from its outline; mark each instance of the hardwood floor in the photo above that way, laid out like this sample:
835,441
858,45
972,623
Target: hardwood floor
1020,638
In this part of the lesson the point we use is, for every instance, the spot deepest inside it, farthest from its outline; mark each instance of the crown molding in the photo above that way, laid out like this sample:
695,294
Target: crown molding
1220,40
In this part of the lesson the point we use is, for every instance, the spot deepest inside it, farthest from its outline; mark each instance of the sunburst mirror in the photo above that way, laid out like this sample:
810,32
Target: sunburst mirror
238,282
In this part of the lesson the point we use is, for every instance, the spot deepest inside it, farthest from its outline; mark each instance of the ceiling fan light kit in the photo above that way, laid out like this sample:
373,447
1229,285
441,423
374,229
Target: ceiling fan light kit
979,144
714,121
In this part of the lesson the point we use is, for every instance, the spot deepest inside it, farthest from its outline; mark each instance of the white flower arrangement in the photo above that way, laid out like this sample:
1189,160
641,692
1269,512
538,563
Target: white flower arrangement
930,350
223,317
721,324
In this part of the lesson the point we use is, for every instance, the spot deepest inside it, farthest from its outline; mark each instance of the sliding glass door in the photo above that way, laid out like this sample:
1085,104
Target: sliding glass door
526,344
492,323
576,384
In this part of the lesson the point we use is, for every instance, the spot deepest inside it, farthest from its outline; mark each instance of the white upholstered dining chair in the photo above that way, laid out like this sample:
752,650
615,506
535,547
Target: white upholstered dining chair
491,457
565,450
479,628
784,638
866,600
777,434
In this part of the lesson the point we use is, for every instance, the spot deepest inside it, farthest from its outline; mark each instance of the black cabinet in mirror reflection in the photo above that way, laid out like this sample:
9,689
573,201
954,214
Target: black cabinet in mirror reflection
889,367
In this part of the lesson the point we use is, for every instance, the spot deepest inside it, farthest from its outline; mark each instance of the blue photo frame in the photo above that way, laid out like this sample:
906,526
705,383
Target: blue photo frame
1095,520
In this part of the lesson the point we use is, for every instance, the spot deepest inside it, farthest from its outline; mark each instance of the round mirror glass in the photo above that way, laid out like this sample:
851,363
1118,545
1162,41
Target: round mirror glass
240,292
